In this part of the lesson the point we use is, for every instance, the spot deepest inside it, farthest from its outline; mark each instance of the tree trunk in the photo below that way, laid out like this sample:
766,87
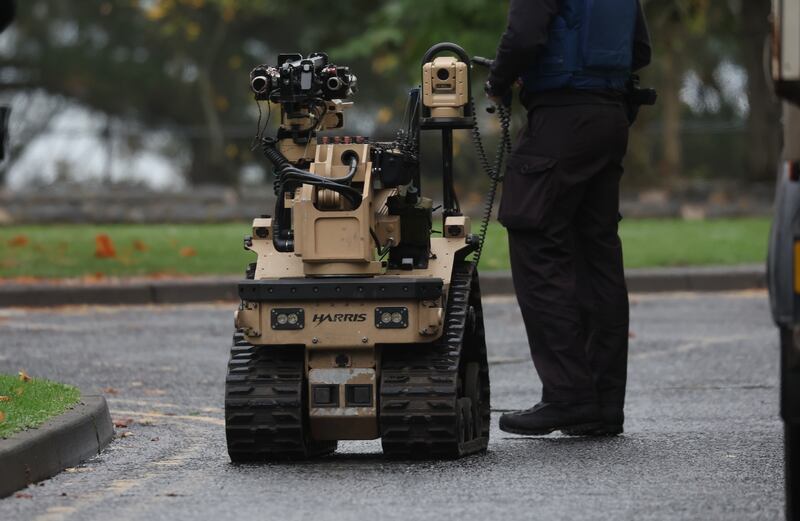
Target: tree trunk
209,164
206,167
763,128
671,73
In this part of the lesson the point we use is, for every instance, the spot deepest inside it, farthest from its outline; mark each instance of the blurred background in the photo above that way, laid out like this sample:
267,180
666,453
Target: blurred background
139,111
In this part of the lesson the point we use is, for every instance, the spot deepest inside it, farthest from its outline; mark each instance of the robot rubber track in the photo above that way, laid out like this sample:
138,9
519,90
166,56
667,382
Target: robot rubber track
264,398
435,398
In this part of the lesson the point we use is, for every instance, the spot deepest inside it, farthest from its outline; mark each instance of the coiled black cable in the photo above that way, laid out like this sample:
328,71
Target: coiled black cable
270,147
493,170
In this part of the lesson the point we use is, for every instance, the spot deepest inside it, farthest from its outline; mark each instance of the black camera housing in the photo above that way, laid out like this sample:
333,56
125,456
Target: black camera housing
300,80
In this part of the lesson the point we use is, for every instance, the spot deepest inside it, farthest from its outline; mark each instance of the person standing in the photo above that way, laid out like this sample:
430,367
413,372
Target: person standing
560,204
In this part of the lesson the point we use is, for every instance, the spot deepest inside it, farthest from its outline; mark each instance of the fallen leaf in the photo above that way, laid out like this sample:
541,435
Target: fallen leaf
139,245
19,241
5,398
122,423
2,416
111,390
103,247
154,392
126,258
23,495
23,377
77,469
187,251
94,277
126,434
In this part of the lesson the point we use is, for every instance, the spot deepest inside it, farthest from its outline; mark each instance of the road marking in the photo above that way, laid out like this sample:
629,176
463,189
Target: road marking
150,415
146,403
152,470
37,326
508,361
116,487
701,343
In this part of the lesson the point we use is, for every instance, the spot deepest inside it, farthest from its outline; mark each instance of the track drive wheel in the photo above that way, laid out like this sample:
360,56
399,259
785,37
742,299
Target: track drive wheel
435,397
266,415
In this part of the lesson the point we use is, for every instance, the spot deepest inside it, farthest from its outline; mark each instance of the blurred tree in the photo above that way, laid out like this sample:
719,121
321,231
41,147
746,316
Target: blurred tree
682,42
688,36
181,65
165,64
763,133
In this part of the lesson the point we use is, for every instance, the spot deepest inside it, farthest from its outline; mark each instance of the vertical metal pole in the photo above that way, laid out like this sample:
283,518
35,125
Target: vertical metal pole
447,172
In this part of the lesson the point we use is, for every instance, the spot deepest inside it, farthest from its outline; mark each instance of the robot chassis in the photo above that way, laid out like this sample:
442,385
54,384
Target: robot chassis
354,322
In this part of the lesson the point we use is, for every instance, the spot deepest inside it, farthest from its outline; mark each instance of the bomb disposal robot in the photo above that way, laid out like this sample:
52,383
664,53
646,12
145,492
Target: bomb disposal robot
356,323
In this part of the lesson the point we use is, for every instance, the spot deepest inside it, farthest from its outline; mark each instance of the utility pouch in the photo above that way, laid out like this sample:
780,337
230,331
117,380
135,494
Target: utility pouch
637,97
529,191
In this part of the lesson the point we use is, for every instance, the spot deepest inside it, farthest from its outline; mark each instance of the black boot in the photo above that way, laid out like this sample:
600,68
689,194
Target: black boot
545,418
612,418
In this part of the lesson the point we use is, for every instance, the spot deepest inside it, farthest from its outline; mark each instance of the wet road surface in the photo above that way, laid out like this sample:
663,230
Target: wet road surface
703,436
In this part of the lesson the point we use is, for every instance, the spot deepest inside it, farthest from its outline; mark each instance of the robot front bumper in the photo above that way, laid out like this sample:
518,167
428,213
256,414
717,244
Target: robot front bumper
343,324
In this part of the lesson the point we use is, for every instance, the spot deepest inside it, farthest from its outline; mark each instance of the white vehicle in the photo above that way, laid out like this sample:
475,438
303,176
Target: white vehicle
784,248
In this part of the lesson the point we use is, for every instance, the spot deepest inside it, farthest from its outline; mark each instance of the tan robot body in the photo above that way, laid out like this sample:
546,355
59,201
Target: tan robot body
350,326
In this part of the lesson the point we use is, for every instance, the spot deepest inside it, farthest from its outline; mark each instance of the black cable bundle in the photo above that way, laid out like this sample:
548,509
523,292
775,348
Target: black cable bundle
288,179
494,171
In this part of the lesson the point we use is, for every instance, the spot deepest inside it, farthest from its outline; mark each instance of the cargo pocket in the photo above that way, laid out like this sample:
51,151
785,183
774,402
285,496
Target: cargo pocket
529,191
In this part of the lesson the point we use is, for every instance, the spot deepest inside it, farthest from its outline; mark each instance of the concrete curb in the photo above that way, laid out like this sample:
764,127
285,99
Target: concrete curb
661,280
61,442
177,291
208,289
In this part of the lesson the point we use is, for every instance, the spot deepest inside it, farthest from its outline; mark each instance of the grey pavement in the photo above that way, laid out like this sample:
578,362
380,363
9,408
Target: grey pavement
703,437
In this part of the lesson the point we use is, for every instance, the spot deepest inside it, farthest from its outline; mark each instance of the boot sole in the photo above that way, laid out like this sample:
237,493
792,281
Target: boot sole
544,432
603,430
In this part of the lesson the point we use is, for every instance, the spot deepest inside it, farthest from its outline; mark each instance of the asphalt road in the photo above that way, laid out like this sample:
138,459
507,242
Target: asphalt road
703,439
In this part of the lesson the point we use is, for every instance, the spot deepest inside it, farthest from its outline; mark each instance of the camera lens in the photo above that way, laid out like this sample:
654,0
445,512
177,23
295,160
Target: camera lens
259,84
334,83
443,74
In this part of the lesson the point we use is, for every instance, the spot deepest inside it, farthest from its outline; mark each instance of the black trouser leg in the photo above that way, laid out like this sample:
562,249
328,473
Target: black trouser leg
560,205
602,289
543,267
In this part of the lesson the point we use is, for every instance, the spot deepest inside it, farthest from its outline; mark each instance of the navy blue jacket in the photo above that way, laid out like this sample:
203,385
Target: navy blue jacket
526,37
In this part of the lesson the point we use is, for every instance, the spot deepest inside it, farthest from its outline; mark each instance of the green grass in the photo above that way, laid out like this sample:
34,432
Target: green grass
55,251
668,242
26,405
69,250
